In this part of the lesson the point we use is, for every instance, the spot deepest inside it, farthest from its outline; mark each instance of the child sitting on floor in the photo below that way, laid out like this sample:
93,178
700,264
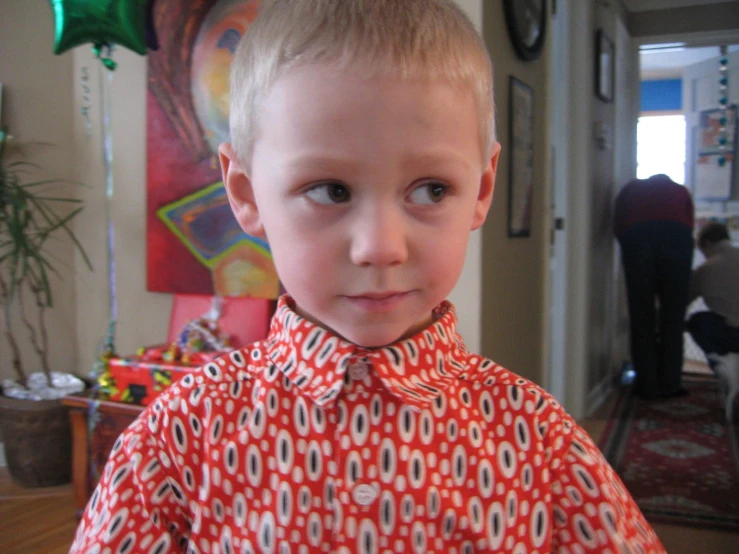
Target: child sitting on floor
364,150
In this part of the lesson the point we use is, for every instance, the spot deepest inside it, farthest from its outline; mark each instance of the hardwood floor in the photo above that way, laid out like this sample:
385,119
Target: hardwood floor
42,521
35,521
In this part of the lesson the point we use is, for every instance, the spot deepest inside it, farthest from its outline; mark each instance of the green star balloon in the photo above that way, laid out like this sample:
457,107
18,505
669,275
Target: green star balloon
100,22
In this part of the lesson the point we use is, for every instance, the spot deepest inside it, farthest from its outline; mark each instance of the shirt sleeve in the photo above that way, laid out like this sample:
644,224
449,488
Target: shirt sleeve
592,510
138,505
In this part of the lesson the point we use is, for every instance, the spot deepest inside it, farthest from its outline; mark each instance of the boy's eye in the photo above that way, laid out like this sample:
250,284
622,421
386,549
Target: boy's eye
428,193
328,193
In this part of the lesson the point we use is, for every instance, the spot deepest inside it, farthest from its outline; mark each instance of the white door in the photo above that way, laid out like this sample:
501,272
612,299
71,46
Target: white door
559,132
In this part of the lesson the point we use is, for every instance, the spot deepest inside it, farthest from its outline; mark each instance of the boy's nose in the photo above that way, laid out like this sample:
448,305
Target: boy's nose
379,239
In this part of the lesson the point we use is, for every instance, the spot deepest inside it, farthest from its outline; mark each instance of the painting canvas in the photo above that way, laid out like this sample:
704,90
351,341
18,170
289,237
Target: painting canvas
194,244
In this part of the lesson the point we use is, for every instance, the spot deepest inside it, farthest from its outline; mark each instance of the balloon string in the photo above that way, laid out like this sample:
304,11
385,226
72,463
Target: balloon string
107,60
86,102
106,85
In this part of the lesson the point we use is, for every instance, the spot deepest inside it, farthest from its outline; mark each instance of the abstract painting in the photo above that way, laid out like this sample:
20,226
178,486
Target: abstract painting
194,244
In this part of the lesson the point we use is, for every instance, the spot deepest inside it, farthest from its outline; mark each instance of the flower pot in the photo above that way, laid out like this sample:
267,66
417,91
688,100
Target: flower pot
38,441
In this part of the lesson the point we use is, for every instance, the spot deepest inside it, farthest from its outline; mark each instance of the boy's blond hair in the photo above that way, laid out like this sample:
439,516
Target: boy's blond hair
410,39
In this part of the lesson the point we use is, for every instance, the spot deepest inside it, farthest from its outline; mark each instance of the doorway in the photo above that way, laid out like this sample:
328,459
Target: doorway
679,82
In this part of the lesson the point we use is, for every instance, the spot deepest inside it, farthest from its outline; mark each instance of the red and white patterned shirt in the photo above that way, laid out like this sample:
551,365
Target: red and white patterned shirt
307,443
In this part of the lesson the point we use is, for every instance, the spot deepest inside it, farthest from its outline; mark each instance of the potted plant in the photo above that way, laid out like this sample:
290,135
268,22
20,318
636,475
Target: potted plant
34,424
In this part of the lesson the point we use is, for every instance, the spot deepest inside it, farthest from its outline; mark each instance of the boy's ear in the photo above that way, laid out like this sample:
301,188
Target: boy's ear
240,192
487,187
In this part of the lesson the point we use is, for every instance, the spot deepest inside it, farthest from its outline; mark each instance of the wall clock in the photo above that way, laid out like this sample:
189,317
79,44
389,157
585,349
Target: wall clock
526,21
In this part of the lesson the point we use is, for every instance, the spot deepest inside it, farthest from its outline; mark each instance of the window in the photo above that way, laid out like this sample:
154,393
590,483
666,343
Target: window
660,146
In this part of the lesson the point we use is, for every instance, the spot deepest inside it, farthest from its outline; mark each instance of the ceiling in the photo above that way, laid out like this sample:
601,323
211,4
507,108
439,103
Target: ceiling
668,63
648,5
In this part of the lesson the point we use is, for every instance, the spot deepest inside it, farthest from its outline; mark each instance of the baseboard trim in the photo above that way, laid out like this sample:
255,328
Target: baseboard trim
598,395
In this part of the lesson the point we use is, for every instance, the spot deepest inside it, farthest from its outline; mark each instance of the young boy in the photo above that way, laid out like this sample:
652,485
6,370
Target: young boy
364,151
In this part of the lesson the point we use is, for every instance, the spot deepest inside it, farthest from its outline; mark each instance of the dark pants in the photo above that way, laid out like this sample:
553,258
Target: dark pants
657,258
711,332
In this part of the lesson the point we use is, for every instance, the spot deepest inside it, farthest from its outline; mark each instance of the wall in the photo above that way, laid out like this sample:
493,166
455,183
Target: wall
514,270
690,19
626,114
37,100
613,165
143,317
594,335
466,295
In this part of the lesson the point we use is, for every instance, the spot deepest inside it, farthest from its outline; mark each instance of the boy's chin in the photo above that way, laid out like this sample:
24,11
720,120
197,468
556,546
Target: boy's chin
384,335
369,334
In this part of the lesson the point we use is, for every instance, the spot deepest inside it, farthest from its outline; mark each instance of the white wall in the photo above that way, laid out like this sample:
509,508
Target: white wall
467,295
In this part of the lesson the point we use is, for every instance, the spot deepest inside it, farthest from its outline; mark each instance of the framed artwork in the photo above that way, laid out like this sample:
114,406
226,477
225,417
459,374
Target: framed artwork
604,60
194,243
710,124
521,152
526,21
713,172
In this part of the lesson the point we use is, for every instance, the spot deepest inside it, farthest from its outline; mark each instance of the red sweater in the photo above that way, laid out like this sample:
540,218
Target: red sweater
655,199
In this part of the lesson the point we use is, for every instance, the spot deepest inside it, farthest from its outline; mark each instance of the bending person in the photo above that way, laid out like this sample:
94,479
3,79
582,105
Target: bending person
654,226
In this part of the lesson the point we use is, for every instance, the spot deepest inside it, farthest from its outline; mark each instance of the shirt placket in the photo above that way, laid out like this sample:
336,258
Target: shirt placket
357,491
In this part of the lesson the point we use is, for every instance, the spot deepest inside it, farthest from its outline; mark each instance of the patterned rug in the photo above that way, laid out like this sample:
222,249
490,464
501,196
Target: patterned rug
678,457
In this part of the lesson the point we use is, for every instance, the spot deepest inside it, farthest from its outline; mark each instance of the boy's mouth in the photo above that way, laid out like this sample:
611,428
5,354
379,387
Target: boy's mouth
378,301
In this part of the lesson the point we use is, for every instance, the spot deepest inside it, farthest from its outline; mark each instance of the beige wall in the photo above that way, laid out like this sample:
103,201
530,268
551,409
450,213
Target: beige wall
514,270
602,245
37,106
143,317
626,114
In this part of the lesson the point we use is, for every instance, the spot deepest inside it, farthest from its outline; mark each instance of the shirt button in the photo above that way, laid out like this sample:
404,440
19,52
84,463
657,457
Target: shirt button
364,495
358,370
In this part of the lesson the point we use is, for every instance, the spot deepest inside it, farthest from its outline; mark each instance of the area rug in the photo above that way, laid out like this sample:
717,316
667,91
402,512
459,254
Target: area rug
678,457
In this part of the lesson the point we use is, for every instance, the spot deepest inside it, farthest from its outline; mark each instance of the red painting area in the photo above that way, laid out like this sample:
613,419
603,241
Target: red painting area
181,145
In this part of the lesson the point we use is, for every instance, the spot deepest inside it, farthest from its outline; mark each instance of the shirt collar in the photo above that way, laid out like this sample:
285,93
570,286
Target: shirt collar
416,369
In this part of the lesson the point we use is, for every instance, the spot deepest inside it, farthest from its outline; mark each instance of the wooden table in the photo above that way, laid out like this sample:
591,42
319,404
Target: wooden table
96,424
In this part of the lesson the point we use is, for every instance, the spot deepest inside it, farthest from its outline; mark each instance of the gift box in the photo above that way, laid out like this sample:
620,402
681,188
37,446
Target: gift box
139,379
201,329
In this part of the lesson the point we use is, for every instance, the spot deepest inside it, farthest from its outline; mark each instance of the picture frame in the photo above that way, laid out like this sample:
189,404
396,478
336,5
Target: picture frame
710,125
604,65
714,163
521,157
526,21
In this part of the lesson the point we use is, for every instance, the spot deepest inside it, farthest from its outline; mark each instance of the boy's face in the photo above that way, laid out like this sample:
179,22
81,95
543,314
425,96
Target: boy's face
366,190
